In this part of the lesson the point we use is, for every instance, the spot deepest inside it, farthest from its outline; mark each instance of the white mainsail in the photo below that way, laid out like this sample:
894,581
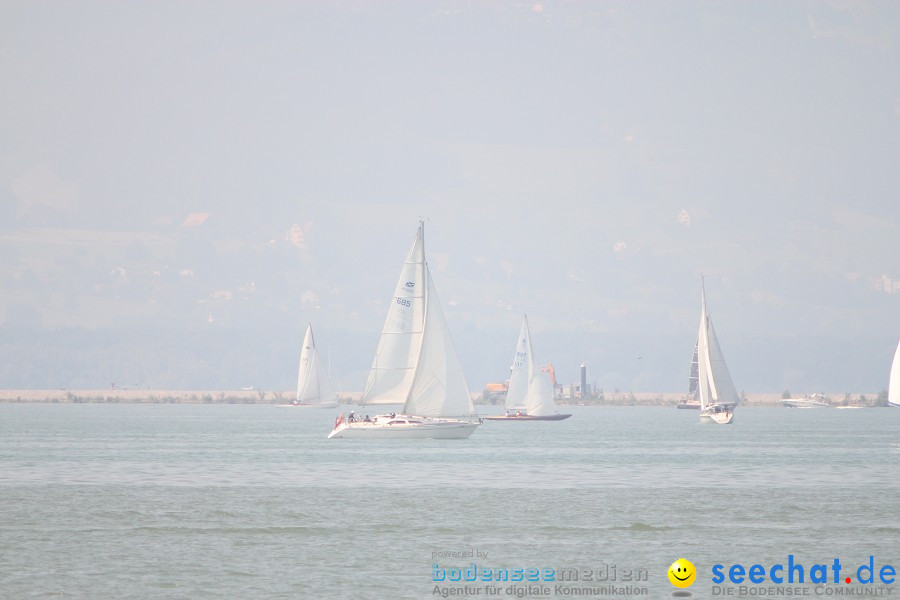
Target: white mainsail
894,383
521,370
715,384
394,366
313,384
416,363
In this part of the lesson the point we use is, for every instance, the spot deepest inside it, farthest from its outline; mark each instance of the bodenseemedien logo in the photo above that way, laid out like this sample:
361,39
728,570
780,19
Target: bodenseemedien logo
682,573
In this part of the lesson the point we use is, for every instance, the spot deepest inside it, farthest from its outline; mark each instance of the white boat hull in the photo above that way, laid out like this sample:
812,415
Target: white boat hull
411,428
556,417
717,414
323,405
813,401
718,419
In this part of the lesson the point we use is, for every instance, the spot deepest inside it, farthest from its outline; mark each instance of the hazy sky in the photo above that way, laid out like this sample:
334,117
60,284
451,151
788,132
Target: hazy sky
183,185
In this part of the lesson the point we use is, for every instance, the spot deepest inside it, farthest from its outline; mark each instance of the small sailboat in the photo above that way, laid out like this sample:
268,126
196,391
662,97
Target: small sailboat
415,365
894,382
314,388
691,400
718,396
529,396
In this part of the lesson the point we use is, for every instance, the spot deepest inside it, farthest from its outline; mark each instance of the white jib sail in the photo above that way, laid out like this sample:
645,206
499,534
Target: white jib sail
539,401
439,387
724,386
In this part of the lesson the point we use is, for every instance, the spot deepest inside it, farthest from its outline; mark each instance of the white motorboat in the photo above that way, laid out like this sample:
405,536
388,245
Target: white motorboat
810,401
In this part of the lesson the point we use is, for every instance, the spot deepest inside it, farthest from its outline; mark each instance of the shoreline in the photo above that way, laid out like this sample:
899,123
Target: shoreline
143,396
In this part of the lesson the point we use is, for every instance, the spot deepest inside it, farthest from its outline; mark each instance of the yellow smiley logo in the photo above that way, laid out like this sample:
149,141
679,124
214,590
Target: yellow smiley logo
682,573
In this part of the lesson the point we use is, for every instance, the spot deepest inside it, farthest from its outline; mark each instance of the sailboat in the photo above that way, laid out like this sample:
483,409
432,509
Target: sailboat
691,400
415,365
718,396
894,382
530,390
313,385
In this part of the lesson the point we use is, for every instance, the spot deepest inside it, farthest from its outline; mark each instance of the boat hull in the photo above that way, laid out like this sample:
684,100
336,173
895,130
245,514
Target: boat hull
813,401
719,414
718,419
325,405
527,418
435,430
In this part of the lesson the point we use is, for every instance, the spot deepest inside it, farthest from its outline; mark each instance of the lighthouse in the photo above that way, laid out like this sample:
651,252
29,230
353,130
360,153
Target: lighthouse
584,390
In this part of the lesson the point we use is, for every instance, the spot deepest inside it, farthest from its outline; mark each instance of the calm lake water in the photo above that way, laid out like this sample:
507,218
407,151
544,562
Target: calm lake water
247,501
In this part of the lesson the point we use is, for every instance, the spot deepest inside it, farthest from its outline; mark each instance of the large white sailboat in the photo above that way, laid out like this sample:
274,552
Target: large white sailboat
415,365
718,396
314,388
529,396
894,383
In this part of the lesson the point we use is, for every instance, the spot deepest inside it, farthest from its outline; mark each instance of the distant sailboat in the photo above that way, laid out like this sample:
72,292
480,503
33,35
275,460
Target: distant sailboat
691,400
894,383
314,388
415,365
530,391
718,396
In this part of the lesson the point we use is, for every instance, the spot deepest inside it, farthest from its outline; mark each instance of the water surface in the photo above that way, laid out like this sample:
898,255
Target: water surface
251,501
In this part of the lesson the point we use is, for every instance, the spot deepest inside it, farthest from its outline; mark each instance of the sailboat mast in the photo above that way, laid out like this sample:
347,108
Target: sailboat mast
702,296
